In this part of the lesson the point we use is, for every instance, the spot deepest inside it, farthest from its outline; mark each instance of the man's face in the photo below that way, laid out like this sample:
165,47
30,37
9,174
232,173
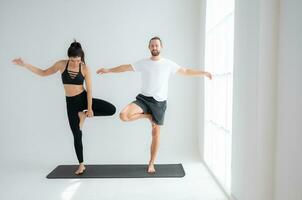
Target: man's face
155,47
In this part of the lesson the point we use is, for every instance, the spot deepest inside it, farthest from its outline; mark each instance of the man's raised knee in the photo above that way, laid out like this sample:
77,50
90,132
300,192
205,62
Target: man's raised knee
124,117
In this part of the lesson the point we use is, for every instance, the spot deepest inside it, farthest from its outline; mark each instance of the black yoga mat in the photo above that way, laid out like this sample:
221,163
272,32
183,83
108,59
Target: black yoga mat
118,171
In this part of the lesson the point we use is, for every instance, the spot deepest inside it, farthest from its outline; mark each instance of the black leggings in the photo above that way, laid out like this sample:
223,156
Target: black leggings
77,104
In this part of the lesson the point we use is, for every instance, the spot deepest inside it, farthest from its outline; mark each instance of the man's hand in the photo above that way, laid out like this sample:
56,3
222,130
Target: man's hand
209,75
102,71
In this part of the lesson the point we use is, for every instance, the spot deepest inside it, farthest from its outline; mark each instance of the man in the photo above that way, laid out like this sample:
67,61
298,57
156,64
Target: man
151,103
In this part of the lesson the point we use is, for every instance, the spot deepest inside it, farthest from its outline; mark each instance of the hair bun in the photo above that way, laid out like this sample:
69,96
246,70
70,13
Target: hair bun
75,44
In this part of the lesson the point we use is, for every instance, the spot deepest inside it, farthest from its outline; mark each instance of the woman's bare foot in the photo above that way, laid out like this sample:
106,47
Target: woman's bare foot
82,117
151,168
81,169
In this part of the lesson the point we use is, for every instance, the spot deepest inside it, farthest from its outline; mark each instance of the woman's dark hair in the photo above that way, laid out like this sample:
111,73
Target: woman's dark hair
75,50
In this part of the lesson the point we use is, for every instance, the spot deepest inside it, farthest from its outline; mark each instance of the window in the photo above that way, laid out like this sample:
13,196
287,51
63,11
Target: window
218,92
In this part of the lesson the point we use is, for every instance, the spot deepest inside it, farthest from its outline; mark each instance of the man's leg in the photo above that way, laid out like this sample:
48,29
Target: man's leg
133,112
154,146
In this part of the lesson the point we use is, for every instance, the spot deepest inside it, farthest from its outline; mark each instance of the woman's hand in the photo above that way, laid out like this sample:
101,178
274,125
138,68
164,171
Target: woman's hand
19,61
89,113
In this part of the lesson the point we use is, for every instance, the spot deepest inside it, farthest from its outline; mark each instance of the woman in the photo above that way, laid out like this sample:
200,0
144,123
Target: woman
80,103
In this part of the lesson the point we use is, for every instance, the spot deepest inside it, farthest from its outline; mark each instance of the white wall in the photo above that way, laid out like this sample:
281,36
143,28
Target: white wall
266,158
289,124
254,103
200,93
34,126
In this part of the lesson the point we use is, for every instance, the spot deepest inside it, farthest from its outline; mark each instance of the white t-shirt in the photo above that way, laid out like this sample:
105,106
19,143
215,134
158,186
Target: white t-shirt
155,76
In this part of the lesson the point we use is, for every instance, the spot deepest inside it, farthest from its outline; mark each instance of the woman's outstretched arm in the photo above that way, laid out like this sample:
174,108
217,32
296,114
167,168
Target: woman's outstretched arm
36,70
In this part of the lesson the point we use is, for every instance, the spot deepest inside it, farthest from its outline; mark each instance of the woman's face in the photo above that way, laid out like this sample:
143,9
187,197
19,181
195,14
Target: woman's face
75,61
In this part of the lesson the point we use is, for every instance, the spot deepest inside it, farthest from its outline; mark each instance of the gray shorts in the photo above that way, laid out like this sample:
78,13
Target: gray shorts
151,106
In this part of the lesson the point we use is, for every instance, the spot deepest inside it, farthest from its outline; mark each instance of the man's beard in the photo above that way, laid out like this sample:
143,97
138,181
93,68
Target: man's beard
155,52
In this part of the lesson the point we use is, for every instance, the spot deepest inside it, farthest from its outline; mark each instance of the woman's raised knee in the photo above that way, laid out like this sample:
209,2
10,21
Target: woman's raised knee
113,110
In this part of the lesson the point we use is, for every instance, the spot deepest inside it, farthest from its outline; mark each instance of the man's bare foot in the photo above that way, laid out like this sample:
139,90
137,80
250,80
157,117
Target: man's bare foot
82,117
151,168
80,170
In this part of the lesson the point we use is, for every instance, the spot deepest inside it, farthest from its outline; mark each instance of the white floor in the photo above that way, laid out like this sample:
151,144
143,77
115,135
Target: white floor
29,183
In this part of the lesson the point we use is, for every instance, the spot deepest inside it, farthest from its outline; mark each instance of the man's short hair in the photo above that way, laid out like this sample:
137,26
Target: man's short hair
156,38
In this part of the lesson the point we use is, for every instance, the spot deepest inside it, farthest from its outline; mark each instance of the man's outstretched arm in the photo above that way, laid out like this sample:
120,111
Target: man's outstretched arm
118,69
193,72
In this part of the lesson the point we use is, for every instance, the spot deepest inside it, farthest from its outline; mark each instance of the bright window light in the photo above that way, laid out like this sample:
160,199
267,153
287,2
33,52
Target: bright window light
218,92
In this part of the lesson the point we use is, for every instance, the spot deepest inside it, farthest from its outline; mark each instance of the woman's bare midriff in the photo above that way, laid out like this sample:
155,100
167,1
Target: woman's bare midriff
73,90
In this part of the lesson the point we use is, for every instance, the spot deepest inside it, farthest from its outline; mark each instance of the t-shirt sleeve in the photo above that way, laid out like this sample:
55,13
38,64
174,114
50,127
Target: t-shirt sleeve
173,67
138,65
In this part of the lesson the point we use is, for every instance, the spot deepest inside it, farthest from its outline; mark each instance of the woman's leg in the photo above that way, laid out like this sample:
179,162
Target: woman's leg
82,117
77,136
102,108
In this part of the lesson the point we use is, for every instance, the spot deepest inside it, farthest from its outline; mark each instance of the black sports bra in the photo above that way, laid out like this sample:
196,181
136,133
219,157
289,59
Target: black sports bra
72,77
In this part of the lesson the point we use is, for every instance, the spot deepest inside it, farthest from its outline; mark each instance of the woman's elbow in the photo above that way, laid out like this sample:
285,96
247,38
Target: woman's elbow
43,73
